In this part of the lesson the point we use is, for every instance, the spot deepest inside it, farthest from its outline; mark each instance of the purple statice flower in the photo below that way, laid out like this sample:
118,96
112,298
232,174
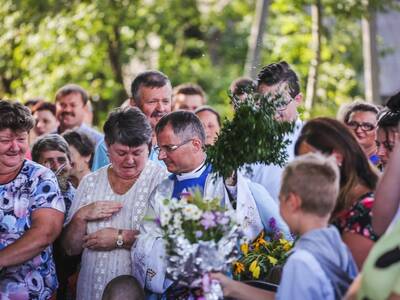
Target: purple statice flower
222,219
198,234
208,220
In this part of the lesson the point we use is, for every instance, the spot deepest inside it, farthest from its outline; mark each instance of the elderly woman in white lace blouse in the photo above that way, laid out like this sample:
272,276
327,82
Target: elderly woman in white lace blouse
110,203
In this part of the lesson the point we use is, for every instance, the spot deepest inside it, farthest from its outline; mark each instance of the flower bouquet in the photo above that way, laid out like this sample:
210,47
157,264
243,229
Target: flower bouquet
201,236
263,258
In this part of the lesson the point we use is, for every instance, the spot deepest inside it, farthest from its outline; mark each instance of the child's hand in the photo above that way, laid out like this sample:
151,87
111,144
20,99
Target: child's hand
227,284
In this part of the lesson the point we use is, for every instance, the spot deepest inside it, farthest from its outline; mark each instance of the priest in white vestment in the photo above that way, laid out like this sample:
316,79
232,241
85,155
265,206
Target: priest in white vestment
181,141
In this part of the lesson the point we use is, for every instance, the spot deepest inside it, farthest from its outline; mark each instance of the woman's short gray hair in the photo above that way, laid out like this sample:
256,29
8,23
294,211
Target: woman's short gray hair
50,142
127,126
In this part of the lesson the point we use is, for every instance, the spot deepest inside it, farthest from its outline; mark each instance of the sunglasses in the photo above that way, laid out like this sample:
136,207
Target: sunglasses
365,126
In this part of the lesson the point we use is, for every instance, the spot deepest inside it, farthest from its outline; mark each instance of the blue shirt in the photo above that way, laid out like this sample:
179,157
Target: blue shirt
303,276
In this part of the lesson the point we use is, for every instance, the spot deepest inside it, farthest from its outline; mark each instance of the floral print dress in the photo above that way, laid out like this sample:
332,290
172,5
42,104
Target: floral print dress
34,187
358,219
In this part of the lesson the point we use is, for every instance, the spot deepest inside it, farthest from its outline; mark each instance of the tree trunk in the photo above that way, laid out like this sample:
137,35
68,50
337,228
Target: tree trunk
370,53
256,38
312,80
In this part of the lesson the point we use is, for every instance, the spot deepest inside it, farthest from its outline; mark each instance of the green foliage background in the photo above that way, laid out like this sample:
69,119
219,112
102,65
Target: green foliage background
47,43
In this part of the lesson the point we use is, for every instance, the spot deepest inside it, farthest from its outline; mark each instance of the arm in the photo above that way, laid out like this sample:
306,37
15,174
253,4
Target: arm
46,226
106,239
73,235
387,195
358,245
239,290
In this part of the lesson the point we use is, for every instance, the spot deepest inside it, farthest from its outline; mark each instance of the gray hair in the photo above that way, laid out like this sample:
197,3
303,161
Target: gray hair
127,126
185,124
358,105
50,142
152,79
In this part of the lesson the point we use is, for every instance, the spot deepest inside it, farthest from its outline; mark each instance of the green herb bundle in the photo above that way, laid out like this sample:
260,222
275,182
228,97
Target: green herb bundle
252,136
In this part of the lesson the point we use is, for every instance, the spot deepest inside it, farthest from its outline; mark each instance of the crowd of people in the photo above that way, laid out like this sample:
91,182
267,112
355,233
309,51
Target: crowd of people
78,206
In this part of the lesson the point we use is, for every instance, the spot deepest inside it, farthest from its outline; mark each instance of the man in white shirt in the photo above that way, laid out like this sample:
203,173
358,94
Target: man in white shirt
273,78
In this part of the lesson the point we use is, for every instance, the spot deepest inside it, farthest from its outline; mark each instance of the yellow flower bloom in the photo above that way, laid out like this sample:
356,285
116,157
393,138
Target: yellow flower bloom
260,241
253,265
272,260
256,272
287,247
244,248
238,267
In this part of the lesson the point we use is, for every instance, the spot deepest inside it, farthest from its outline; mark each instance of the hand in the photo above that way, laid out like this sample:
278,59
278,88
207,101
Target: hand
102,240
99,210
226,283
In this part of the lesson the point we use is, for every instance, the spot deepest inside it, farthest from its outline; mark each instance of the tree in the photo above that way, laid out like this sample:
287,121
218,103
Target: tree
312,81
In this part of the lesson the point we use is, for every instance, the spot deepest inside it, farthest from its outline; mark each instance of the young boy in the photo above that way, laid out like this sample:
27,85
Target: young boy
320,264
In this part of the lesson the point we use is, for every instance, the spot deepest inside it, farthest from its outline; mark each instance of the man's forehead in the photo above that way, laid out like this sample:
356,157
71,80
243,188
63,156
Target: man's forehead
281,86
70,97
167,133
155,92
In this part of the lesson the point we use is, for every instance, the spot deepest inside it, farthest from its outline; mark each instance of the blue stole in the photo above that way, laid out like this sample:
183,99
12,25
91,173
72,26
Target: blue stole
190,184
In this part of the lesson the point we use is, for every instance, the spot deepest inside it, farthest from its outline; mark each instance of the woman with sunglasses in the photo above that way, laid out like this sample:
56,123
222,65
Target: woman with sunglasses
361,119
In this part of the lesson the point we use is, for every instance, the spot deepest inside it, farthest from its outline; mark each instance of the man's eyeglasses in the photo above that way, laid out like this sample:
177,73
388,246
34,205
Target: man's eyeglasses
365,126
283,105
170,148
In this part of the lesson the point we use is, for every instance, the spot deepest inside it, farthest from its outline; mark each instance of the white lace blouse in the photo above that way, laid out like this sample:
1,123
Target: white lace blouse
99,267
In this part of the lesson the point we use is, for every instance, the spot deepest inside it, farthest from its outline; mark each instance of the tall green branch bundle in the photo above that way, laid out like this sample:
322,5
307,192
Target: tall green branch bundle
253,135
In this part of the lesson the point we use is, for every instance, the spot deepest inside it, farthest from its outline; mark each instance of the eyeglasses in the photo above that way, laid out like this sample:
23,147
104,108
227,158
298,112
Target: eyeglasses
282,105
170,148
365,126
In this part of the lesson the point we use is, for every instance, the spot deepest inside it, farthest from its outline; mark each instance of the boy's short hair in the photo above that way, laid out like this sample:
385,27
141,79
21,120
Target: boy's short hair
123,287
315,179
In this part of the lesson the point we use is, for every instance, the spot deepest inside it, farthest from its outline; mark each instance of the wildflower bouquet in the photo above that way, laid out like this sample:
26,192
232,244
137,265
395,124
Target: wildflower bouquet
264,257
201,236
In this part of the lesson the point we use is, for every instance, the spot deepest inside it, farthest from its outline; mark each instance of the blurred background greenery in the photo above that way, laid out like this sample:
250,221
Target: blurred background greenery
103,44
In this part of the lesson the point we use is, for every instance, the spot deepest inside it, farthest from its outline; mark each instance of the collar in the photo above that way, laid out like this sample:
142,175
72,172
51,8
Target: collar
193,174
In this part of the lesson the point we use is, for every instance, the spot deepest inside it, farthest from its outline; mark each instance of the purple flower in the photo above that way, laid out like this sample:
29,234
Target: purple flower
222,219
198,234
208,220
158,222
272,224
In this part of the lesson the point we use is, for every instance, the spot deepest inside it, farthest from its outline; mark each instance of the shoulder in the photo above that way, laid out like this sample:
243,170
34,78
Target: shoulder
303,278
94,177
37,174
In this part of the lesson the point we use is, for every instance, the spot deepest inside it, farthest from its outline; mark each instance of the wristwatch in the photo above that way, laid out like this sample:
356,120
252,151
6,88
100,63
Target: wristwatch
120,239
